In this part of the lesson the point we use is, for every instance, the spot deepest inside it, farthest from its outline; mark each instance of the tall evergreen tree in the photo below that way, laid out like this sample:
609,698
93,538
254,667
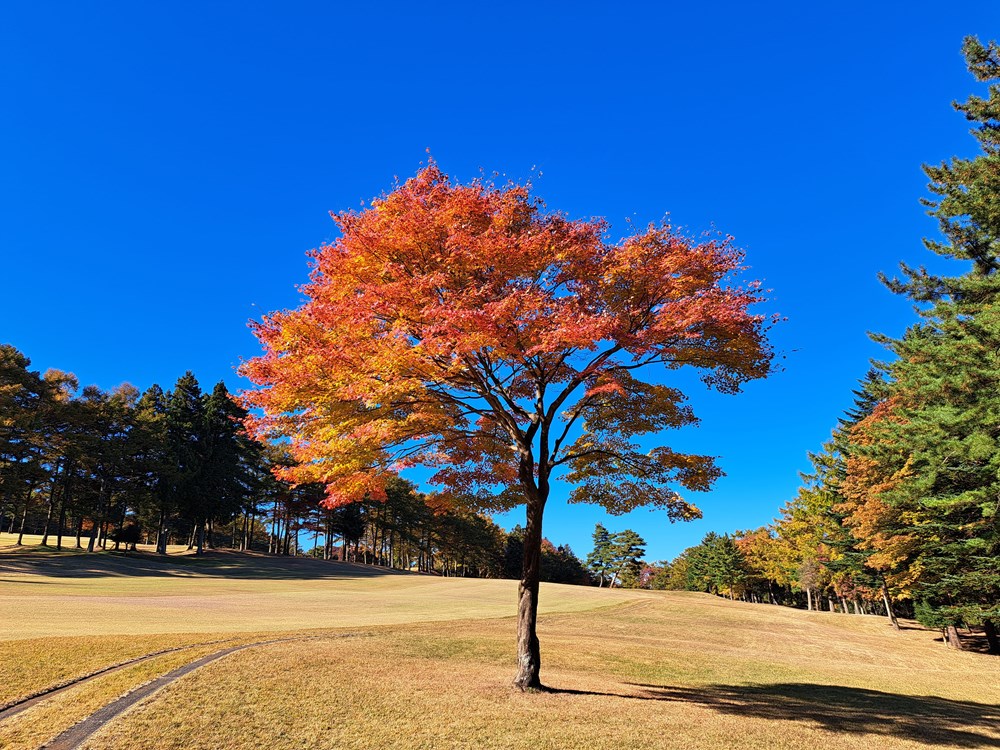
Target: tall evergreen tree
157,469
228,471
947,382
185,423
600,561
627,550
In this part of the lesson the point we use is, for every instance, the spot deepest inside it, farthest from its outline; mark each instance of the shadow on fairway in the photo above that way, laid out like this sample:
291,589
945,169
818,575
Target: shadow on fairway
215,564
858,711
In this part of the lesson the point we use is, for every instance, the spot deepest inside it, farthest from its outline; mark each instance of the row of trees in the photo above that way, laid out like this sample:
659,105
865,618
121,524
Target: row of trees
103,464
413,531
168,467
902,506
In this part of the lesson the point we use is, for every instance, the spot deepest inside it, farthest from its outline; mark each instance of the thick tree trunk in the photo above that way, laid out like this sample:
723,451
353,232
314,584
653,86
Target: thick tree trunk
990,629
953,639
809,599
528,654
888,605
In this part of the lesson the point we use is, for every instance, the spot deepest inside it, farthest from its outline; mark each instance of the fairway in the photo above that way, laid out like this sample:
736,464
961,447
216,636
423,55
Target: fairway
49,594
354,657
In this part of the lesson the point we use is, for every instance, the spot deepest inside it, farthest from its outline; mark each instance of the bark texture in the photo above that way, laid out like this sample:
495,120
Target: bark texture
528,654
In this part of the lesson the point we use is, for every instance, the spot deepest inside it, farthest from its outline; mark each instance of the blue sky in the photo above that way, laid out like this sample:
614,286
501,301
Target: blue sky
165,167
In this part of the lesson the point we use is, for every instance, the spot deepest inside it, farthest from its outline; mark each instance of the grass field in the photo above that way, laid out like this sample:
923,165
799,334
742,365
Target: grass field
399,660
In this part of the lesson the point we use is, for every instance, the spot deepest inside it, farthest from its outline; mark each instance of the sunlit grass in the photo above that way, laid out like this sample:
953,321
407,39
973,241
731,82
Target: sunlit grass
655,674
433,662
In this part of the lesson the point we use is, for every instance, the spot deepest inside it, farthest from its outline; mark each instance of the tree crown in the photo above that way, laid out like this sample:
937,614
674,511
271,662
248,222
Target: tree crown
465,328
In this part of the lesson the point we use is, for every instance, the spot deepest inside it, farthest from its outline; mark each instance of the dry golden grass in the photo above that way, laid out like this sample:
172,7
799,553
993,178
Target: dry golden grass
655,670
44,593
40,724
675,671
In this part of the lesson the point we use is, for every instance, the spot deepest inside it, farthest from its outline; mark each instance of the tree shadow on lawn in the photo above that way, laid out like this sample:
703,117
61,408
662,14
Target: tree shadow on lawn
215,564
927,719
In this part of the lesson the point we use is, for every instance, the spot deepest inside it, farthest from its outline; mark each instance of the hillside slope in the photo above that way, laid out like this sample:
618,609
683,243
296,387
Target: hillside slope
429,663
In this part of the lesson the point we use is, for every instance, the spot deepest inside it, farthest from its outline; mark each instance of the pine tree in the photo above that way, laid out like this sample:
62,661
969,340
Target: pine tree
154,449
946,380
185,421
230,457
627,549
600,561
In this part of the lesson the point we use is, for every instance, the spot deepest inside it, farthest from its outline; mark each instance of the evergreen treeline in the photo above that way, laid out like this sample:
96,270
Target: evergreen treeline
85,468
121,466
902,508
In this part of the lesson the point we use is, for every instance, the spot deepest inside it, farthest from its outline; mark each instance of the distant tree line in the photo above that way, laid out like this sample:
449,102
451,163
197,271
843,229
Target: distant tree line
901,511
122,466
89,468
878,527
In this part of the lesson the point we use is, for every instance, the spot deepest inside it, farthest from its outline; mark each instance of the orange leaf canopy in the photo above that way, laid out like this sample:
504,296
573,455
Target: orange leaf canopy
465,328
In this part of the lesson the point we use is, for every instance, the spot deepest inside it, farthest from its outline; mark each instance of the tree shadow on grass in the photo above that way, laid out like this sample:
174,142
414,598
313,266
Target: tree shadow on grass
847,710
215,564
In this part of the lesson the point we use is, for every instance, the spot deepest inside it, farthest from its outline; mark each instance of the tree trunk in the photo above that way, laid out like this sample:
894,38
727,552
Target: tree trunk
24,515
809,599
52,504
953,639
888,605
62,518
990,629
528,653
161,532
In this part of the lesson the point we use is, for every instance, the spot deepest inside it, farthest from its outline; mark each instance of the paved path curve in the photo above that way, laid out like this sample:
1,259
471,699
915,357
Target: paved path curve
17,706
76,735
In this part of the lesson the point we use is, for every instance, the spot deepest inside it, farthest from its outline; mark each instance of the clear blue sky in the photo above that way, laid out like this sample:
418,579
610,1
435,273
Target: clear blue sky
165,167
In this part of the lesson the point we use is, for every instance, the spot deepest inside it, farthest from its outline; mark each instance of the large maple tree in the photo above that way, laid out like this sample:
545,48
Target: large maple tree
466,328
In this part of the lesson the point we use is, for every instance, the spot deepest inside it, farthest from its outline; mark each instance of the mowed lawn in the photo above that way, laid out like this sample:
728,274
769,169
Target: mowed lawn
406,661
43,593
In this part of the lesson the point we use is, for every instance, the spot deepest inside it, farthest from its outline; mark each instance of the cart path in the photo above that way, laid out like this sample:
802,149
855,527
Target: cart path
79,733
16,706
